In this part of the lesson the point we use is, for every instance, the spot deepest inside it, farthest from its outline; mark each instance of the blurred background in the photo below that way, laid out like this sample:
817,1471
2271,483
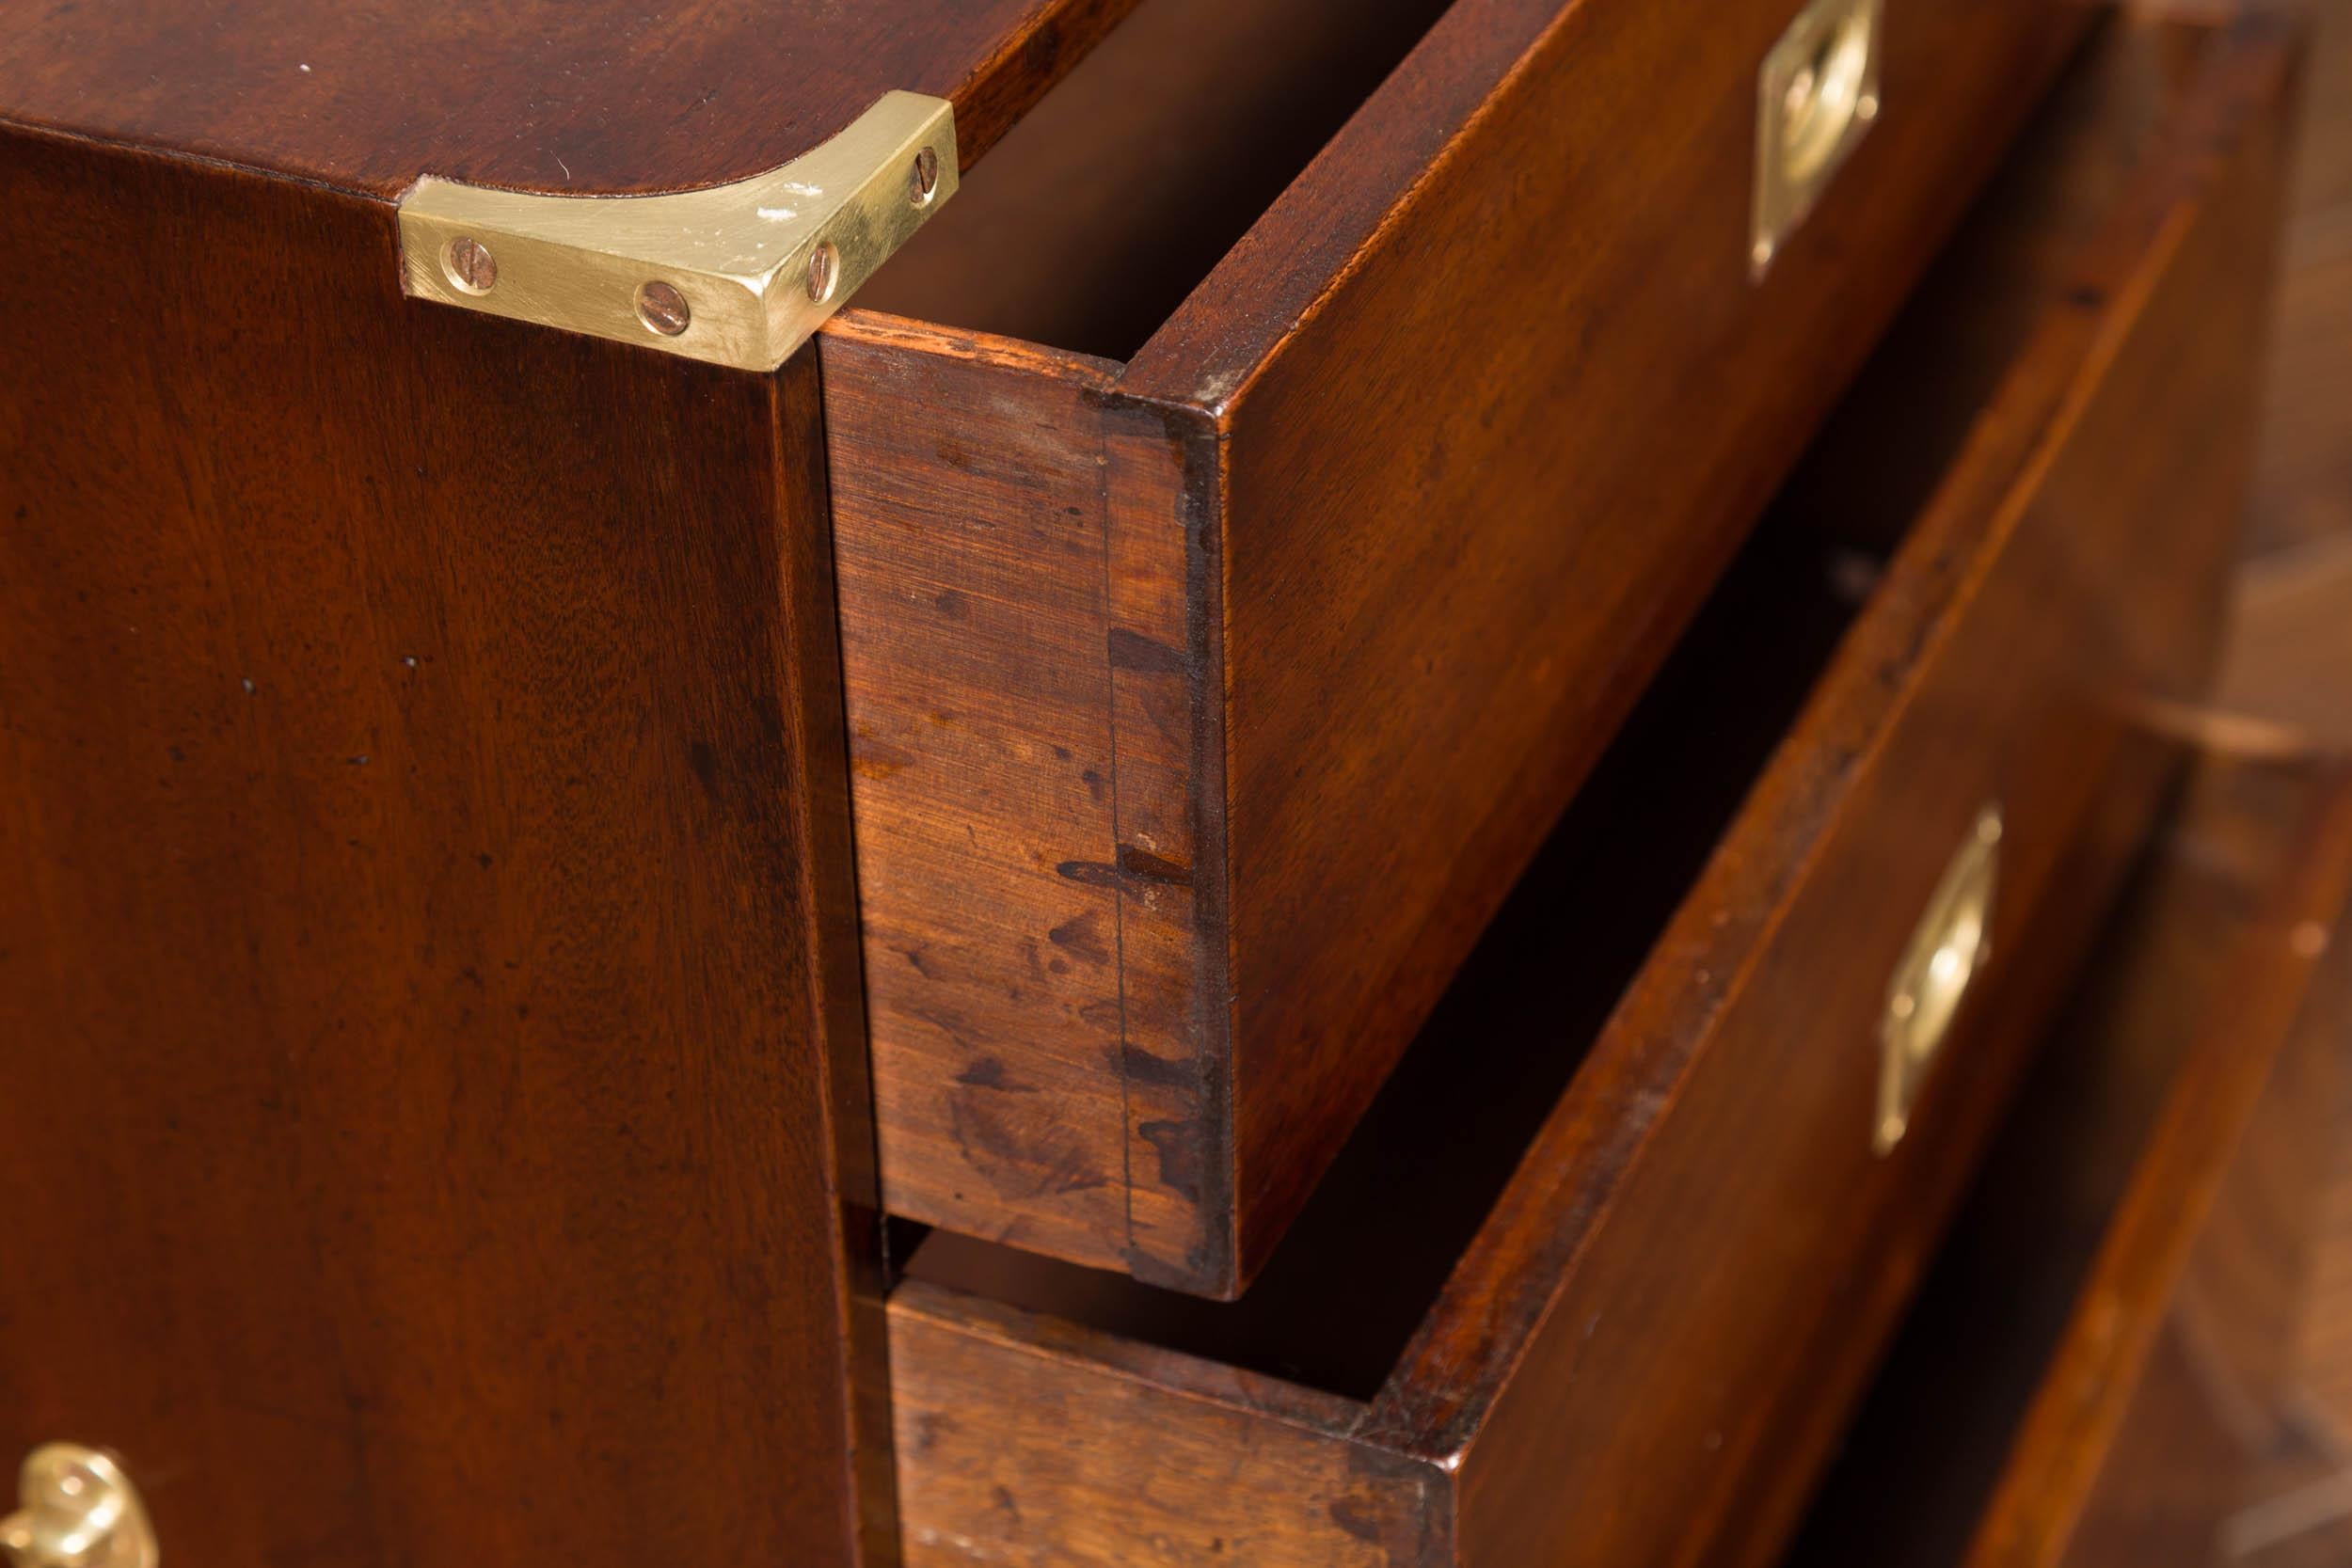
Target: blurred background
2292,661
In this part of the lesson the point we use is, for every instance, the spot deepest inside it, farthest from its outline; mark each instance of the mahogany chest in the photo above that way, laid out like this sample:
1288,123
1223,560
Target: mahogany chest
1084,782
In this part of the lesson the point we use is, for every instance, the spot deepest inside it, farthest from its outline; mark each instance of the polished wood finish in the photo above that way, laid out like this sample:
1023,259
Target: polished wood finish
1633,1319
1375,469
580,97
432,1110
2099,1367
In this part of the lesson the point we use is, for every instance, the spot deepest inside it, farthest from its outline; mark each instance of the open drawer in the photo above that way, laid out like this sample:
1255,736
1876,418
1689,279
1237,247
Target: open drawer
2100,1367
1259,497
1601,1274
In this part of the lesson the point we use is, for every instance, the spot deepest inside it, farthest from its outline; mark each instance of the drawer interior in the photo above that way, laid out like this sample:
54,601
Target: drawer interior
1094,217
1608,1208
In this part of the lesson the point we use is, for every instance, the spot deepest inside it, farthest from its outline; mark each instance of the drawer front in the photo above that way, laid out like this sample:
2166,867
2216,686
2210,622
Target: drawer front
1286,641
1646,1350
2145,1222
1466,505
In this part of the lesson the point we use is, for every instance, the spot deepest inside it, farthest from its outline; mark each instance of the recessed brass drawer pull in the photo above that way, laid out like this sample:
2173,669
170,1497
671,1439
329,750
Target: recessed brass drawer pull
1951,944
76,1509
1815,98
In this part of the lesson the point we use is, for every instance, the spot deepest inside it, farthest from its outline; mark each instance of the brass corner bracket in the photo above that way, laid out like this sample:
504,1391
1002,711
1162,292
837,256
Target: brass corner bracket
738,274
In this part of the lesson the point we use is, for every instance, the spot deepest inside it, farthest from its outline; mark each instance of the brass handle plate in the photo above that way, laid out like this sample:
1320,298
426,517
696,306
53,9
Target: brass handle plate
1946,952
1816,96
76,1509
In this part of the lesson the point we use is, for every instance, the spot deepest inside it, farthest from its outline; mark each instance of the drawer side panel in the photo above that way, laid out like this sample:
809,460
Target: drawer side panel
969,545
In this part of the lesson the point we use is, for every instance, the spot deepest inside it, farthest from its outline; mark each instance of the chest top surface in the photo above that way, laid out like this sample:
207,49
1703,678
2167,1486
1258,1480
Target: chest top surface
577,97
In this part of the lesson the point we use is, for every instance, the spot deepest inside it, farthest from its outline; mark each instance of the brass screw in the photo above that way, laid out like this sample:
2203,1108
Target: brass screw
824,266
923,179
470,265
661,306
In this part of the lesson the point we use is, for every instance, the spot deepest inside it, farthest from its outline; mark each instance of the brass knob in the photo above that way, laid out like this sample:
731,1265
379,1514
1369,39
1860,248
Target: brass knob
76,1509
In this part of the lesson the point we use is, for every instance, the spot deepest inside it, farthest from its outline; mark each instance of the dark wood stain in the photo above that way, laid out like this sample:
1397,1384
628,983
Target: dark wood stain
584,97
1590,1342
1368,475
431,1108
1449,568
995,841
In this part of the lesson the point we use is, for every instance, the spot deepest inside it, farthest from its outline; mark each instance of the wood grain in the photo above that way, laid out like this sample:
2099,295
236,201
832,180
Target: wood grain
1380,467
970,554
1645,1351
1111,1467
542,95
431,1108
